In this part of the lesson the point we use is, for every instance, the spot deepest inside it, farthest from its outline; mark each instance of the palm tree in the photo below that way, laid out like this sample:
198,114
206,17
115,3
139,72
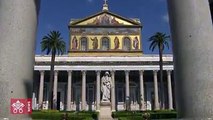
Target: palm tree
52,43
160,40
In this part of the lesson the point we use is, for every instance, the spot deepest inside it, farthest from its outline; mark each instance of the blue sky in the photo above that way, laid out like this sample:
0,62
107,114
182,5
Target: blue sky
55,15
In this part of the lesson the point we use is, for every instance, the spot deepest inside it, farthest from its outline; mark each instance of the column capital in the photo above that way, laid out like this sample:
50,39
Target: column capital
141,71
155,71
56,72
69,72
112,72
41,71
83,72
127,71
169,72
98,71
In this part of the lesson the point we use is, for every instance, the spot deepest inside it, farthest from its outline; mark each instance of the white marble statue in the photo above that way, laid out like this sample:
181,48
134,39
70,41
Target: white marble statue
106,87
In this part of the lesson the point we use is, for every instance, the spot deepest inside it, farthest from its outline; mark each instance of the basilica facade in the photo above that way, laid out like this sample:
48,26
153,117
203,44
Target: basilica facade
100,43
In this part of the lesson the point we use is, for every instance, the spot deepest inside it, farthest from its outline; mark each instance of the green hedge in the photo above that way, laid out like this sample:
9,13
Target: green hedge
86,115
49,115
131,118
163,114
56,115
138,115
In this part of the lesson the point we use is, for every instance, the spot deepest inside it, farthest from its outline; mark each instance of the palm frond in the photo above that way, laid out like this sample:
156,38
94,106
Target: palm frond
157,40
153,45
53,42
167,44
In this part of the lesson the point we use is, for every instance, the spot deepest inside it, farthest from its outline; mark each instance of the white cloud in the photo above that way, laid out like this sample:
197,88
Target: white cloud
165,18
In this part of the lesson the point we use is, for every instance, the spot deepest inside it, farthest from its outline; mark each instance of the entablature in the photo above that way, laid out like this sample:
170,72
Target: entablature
104,61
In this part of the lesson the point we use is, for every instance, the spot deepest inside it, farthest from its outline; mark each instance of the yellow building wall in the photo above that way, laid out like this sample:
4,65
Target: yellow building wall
95,34
105,54
111,38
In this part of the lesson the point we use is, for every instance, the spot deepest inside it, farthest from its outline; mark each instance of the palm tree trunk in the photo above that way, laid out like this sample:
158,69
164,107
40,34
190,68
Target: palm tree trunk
161,76
50,100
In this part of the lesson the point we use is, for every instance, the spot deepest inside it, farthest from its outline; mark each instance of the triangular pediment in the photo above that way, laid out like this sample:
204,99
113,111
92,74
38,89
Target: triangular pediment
105,18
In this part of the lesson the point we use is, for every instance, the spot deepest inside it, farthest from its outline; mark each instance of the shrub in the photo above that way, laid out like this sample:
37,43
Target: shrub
56,115
122,118
126,114
137,115
131,118
163,114
47,115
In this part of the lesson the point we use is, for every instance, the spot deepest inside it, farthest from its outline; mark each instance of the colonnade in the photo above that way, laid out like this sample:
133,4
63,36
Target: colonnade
98,93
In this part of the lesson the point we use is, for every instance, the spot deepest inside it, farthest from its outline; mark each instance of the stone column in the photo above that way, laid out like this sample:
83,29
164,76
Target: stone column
83,94
156,105
98,89
141,89
69,88
41,89
18,21
192,34
55,89
127,91
113,90
127,83
169,84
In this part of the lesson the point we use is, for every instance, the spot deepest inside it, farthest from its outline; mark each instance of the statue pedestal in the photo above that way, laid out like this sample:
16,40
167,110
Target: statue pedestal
105,111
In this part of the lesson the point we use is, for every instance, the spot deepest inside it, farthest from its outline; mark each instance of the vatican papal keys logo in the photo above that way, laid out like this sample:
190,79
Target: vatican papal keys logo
21,106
